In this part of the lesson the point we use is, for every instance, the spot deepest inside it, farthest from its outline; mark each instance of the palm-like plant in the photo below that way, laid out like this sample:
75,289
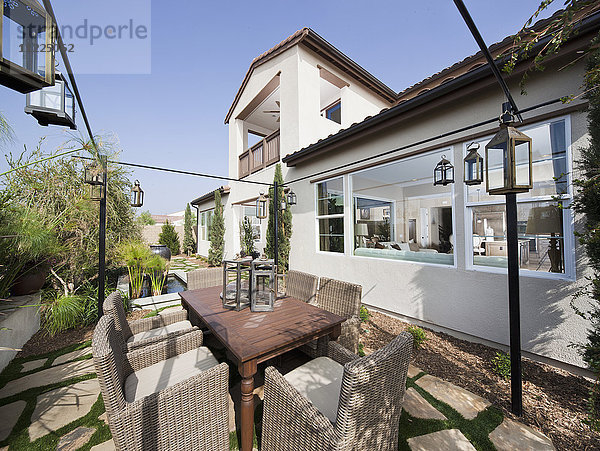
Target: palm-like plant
135,255
157,268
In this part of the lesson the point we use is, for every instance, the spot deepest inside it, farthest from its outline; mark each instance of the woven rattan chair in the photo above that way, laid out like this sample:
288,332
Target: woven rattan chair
301,285
341,298
172,395
339,402
143,332
204,278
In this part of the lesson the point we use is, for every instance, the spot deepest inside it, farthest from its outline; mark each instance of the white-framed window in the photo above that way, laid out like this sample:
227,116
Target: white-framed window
330,215
250,213
205,223
544,221
399,214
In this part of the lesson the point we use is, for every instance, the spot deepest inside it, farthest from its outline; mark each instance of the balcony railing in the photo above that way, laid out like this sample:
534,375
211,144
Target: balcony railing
262,154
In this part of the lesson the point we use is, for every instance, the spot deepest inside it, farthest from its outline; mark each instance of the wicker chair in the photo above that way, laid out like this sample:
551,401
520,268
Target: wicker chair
168,396
143,332
341,298
204,278
323,405
301,285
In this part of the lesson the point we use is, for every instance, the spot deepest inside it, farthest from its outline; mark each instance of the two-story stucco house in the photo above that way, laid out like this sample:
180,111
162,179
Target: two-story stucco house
360,158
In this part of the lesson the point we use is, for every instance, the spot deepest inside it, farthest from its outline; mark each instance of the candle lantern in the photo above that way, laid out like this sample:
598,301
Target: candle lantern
264,285
261,206
443,174
292,199
473,166
136,195
236,284
53,105
27,46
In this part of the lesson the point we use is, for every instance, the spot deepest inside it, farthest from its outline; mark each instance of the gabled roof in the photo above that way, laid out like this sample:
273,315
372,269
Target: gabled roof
311,40
453,78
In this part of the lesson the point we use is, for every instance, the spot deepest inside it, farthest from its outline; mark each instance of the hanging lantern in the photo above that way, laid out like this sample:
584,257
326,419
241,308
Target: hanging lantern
264,285
236,284
136,195
443,174
292,199
283,205
53,105
261,206
508,166
473,166
93,174
27,46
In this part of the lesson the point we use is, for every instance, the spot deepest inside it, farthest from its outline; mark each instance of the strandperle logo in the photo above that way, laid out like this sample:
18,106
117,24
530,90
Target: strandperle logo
91,33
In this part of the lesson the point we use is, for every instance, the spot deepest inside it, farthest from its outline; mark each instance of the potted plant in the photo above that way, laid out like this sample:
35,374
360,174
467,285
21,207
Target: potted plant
157,268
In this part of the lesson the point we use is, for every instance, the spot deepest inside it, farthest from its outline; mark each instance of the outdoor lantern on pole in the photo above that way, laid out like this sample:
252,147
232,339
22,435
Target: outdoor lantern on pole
292,199
508,165
473,174
53,105
443,174
264,285
261,206
94,175
27,46
137,195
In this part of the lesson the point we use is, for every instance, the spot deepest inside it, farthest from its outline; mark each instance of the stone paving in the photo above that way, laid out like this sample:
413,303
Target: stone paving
427,399
183,264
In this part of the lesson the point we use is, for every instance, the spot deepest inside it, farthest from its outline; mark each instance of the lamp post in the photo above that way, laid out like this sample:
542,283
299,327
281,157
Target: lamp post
509,168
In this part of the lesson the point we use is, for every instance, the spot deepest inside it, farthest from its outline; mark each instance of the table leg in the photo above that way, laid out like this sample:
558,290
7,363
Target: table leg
247,371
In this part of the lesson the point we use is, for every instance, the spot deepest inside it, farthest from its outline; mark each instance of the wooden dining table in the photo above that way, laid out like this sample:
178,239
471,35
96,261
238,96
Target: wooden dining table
254,337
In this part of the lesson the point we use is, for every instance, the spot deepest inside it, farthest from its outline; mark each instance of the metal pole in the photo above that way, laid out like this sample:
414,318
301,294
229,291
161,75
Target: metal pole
102,242
514,314
276,245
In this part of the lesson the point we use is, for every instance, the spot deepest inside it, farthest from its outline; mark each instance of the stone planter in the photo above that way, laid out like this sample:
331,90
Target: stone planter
20,320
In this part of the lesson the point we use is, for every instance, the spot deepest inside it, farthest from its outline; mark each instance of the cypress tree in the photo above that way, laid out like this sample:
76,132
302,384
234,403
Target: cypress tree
217,233
189,244
284,222
169,237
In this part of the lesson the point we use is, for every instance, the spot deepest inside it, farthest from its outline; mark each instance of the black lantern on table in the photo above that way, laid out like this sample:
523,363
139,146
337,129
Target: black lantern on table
292,199
236,284
27,46
137,195
261,206
264,285
53,105
443,174
473,166
508,165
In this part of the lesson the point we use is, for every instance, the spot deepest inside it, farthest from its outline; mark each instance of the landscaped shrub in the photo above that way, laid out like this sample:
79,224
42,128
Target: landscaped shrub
501,365
135,255
418,334
169,237
189,243
62,313
364,314
217,233
156,268
246,236
284,225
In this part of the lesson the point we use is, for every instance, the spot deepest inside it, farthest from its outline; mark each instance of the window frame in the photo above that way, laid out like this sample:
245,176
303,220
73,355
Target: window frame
337,105
337,215
567,214
206,227
449,152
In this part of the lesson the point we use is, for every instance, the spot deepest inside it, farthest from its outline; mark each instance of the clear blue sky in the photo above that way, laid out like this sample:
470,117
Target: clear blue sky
172,113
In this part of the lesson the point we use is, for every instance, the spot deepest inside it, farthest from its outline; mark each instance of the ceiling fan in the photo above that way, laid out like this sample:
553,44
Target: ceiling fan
278,112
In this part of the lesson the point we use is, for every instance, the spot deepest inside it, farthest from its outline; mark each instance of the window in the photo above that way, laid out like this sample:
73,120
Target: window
400,215
330,215
205,223
543,225
250,213
334,112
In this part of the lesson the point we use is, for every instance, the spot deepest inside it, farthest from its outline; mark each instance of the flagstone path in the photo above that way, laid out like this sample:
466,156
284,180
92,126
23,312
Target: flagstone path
182,264
54,402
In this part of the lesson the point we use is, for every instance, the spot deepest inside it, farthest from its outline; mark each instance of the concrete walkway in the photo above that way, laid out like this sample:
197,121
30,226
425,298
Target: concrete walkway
60,410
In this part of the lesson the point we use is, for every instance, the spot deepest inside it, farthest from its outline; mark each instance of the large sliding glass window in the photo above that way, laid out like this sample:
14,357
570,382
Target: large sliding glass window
330,215
543,222
400,215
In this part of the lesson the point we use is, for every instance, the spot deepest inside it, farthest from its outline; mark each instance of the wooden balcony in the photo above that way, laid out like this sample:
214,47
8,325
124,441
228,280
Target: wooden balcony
262,154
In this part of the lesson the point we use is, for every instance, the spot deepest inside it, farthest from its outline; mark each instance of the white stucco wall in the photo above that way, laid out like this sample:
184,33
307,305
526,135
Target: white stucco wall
456,298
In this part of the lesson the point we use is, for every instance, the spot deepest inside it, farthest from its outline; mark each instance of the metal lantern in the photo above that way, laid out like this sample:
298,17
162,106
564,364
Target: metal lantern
292,199
283,205
443,174
136,195
261,206
27,46
93,174
473,166
53,105
508,166
236,284
264,285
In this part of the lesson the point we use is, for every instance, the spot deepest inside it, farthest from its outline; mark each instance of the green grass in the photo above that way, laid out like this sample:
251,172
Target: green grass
157,311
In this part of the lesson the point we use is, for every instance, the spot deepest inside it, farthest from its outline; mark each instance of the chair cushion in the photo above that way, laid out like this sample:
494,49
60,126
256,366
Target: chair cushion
167,373
319,381
181,325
